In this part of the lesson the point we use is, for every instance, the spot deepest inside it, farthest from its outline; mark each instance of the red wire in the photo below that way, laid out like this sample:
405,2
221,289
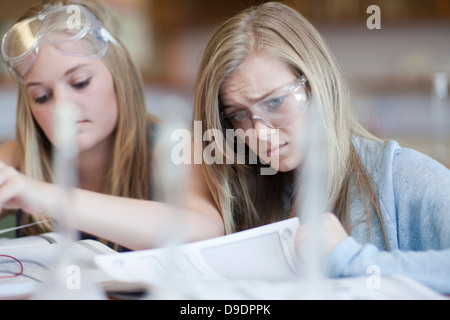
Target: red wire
18,261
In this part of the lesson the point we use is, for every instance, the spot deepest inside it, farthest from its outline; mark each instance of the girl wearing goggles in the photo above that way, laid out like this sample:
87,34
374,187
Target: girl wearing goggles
72,30
268,70
60,59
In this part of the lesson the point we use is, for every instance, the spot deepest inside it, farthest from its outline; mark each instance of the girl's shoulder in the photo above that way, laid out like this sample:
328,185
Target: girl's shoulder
376,155
392,166
389,155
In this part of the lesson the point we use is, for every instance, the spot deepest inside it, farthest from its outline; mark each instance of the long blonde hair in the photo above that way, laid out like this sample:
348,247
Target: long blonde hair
244,197
128,174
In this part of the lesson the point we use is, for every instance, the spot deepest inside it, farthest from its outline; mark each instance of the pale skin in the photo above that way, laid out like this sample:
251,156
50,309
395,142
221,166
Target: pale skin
135,224
259,75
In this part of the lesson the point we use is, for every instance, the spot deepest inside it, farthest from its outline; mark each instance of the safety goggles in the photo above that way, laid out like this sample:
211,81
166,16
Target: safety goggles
276,111
72,30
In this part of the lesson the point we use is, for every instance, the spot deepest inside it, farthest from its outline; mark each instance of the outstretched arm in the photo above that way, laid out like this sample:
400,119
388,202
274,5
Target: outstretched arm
135,224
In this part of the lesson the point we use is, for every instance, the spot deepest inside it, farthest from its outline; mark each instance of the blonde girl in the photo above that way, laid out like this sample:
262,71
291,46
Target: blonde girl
265,70
89,66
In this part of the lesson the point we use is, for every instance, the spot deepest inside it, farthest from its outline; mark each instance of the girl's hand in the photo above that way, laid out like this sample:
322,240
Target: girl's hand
18,191
330,234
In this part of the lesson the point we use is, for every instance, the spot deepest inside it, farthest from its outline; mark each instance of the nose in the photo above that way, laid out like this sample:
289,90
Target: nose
263,131
63,95
63,98
60,94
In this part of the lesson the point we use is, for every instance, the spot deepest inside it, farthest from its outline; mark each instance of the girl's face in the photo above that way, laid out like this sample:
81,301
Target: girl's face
83,81
256,78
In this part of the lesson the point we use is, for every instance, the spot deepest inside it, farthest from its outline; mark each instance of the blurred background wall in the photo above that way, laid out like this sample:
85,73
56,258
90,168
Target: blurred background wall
390,70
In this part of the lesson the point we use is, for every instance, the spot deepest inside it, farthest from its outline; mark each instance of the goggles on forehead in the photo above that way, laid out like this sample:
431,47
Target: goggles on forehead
276,111
72,30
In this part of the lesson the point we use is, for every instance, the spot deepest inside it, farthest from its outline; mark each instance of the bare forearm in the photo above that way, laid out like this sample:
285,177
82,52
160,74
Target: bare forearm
135,224
139,224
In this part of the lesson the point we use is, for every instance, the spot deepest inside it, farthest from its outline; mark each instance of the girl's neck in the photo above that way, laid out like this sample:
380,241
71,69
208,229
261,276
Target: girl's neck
93,168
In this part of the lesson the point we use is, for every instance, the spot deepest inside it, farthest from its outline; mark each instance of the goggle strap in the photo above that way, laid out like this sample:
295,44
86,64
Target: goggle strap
108,36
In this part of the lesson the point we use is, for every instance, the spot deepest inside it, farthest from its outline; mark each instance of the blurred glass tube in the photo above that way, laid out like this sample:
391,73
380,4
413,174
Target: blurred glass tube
313,202
56,285
439,115
65,155
170,179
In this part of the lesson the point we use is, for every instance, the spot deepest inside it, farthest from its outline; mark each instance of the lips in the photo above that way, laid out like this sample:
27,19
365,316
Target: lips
81,123
276,150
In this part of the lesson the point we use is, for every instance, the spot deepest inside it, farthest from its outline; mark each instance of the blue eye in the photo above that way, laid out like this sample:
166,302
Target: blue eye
274,103
239,116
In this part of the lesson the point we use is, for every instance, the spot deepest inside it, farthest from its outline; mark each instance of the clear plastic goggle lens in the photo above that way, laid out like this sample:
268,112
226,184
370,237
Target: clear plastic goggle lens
276,111
71,32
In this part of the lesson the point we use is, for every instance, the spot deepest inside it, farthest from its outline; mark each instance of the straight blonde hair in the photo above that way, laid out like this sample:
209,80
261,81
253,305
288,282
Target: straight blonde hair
244,197
129,172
